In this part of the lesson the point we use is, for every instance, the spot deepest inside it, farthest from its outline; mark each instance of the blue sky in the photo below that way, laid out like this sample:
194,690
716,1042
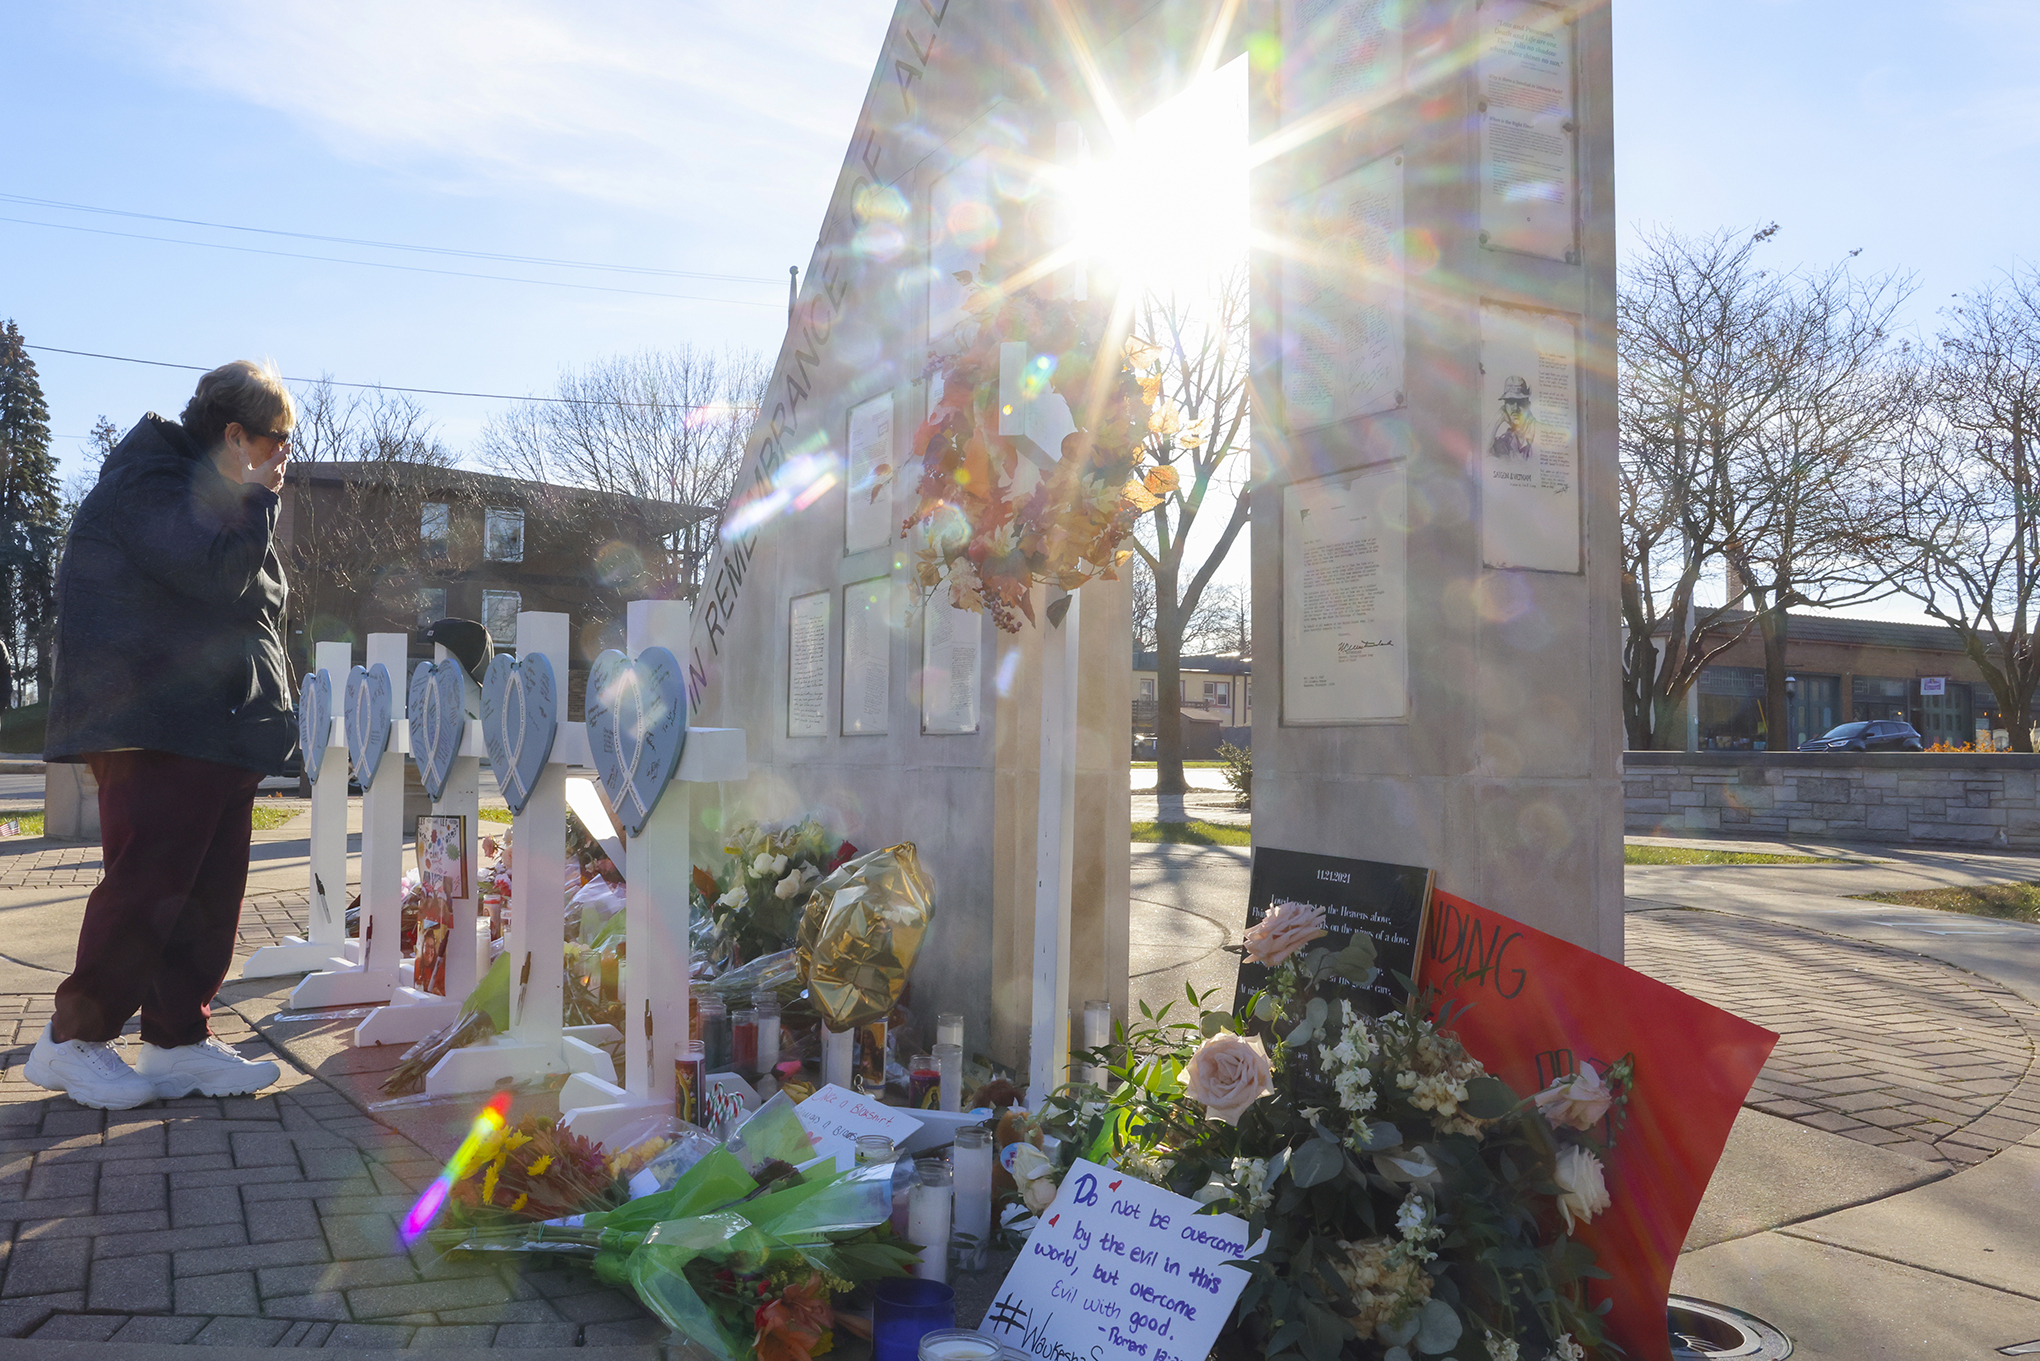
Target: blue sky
704,137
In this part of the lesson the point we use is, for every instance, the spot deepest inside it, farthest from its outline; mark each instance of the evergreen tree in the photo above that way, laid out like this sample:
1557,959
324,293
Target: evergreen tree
31,514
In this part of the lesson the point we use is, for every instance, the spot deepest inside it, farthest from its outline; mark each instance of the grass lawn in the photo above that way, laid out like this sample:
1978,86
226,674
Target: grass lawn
267,817
1187,765
494,814
1194,833
1690,855
31,820
2012,902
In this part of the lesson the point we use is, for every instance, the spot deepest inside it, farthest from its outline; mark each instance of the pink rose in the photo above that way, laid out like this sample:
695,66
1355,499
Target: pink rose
1228,1073
1287,928
1579,1101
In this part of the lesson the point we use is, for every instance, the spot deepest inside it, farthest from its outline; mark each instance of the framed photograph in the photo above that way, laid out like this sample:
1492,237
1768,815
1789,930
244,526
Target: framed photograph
442,853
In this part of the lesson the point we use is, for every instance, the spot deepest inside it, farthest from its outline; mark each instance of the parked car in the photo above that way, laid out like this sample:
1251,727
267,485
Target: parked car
1884,734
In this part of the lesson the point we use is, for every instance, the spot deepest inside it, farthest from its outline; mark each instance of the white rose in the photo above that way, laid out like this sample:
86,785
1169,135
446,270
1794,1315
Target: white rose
1579,1101
734,898
788,886
1035,1175
1583,1187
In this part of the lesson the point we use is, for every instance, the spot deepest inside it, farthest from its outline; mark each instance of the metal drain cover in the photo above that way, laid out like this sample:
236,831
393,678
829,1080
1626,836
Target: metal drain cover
1702,1330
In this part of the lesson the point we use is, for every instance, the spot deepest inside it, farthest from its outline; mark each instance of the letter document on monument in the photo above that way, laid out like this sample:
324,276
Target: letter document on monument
868,523
1342,304
1345,599
867,656
1526,131
1354,50
807,666
1529,454
950,668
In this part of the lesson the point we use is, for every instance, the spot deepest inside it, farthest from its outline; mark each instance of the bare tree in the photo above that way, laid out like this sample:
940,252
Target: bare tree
367,540
660,425
1964,498
1754,405
1808,473
1142,584
1200,430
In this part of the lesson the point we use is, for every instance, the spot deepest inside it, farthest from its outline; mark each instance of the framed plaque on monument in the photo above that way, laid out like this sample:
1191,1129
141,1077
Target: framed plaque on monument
1345,609
1528,156
1529,451
867,504
867,657
807,665
1342,298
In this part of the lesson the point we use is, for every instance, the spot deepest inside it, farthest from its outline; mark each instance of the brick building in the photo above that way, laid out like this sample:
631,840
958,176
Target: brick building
1844,670
388,546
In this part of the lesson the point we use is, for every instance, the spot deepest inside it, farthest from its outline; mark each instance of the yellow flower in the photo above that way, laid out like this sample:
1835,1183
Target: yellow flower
519,1203
516,1139
489,1184
538,1168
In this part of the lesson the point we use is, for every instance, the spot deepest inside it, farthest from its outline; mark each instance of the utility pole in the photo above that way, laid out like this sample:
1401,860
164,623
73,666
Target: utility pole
792,290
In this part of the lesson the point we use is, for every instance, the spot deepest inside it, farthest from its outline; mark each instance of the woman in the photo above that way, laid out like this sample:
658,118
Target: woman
170,682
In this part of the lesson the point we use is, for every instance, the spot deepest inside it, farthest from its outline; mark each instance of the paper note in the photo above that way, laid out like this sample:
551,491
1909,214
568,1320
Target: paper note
1119,1270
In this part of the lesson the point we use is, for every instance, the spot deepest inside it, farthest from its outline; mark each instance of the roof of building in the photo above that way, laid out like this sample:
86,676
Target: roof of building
1829,628
1215,666
485,484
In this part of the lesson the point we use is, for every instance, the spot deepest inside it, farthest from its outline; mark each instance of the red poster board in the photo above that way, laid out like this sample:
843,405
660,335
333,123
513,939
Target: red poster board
1536,1008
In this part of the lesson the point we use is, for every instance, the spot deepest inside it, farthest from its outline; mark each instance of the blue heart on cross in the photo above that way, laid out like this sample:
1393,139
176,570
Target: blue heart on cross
520,717
368,720
637,727
315,719
438,714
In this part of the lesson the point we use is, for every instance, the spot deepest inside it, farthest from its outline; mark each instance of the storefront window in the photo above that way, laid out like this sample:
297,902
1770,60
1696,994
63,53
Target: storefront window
1875,697
1731,700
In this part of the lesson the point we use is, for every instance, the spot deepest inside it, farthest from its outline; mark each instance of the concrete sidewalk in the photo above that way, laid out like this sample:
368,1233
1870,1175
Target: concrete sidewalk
1880,1196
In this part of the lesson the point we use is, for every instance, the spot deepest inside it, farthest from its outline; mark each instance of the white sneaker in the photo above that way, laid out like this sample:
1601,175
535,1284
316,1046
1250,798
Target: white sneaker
208,1069
88,1072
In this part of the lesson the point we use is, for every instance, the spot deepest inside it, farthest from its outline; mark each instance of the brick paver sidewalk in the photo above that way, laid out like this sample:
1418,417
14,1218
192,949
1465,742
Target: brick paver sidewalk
1882,1046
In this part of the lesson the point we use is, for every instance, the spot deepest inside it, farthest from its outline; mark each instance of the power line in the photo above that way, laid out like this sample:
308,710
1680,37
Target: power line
391,387
381,245
381,264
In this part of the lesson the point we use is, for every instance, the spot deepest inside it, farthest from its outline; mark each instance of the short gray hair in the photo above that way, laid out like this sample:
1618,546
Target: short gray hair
242,393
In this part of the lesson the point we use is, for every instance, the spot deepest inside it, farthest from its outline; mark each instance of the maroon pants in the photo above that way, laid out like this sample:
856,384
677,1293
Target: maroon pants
158,933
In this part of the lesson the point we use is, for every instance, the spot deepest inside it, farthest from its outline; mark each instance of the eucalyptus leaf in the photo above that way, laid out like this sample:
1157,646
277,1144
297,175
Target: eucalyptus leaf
1379,1137
1212,1023
1357,959
1398,1334
1488,1098
1438,1328
1397,1353
1319,1160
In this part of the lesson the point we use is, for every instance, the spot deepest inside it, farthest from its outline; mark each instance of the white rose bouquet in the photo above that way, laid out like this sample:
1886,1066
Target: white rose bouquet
1415,1205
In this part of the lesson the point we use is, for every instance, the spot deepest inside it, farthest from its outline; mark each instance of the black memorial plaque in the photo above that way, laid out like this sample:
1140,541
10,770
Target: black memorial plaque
1387,902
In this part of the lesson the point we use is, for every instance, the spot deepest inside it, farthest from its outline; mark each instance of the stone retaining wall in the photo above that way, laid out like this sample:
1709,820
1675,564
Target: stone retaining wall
1972,799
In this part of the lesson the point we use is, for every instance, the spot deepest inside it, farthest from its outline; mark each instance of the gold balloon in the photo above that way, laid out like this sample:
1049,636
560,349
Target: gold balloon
863,926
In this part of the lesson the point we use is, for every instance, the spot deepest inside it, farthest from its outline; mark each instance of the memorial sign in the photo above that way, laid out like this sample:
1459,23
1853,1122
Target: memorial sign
1388,903
1120,1270
807,665
1344,599
1345,56
868,522
1534,1008
1529,451
867,656
950,668
838,1111
1527,155
519,722
1342,298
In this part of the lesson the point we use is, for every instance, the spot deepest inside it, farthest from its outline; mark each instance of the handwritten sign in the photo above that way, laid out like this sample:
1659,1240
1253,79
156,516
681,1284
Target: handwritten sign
1534,1009
1119,1270
843,1113
1366,897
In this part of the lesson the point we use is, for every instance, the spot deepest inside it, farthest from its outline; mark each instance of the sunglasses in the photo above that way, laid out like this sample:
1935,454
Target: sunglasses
280,436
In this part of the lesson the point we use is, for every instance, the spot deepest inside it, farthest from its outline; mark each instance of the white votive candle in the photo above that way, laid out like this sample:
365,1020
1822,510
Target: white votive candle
928,1220
839,1055
949,1029
971,1163
1097,1035
949,1064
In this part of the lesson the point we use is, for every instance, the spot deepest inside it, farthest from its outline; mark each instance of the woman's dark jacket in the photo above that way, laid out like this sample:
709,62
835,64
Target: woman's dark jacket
170,606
